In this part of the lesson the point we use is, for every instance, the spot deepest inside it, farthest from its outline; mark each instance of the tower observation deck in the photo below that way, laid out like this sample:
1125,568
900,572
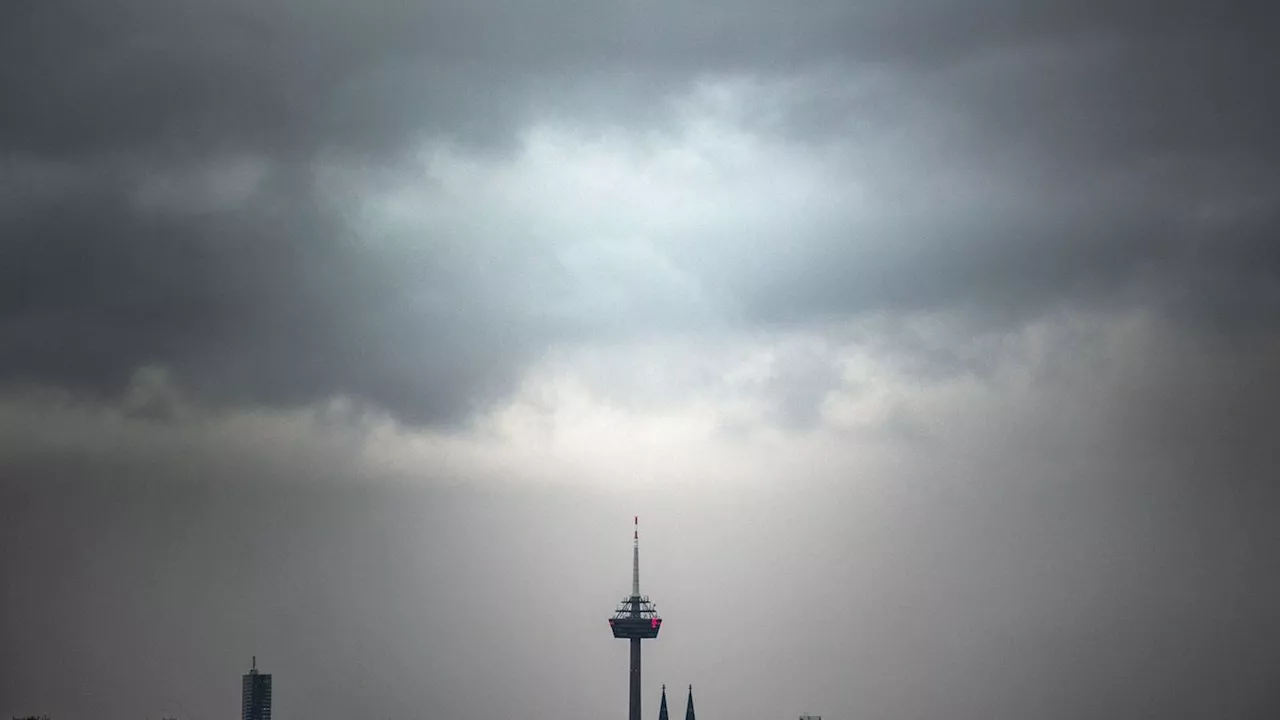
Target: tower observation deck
635,619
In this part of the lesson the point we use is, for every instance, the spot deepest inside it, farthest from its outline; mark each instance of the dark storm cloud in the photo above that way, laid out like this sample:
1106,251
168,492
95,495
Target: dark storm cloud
1113,118
1130,143
268,304
288,75
279,78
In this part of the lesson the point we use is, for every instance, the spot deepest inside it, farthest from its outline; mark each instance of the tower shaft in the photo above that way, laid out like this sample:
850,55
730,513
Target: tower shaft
635,680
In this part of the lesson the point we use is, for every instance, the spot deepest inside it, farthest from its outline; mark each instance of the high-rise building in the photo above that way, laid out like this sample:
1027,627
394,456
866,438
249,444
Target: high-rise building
255,695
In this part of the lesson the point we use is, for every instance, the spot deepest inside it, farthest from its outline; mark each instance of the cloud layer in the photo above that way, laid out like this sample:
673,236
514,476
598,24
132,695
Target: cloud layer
513,178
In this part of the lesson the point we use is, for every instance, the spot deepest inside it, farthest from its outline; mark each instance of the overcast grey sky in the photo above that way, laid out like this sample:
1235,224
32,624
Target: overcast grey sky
936,344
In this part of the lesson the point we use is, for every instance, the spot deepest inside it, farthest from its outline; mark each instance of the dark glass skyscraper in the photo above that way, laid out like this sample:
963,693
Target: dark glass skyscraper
255,695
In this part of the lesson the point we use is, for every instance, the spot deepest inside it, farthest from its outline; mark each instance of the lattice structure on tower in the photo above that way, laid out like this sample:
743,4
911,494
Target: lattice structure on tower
635,617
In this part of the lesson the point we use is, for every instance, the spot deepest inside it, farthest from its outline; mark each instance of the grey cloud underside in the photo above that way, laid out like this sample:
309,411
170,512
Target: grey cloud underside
1111,124
266,305
282,76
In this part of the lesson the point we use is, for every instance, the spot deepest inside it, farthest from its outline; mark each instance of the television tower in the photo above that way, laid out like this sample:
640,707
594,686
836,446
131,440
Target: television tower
635,620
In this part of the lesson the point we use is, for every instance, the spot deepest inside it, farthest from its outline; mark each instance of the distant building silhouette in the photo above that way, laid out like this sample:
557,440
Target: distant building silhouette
255,695
688,711
662,711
